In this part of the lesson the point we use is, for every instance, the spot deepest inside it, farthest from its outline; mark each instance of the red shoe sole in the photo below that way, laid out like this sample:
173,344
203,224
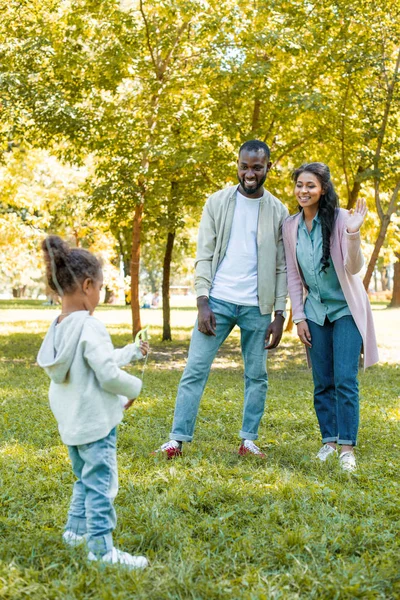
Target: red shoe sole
245,452
173,454
168,454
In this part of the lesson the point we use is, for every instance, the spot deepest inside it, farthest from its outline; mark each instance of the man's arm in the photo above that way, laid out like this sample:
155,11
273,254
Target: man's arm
203,266
281,290
275,330
206,242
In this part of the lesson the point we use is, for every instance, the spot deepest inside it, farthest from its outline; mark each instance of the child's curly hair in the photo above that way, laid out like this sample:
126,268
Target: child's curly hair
67,268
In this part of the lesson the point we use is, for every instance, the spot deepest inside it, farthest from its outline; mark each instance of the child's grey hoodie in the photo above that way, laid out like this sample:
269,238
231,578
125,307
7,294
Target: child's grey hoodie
87,389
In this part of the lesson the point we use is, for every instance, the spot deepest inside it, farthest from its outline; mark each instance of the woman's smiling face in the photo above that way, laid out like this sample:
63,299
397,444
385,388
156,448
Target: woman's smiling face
308,189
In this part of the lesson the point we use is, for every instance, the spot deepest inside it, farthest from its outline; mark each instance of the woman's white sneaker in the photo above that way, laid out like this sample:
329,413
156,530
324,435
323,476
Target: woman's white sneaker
73,539
117,557
347,461
325,452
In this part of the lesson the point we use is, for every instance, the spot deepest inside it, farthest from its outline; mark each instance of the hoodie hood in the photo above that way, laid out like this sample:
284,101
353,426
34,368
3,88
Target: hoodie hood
59,346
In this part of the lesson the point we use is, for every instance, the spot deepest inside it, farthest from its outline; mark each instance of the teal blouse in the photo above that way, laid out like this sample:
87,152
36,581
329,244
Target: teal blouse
325,297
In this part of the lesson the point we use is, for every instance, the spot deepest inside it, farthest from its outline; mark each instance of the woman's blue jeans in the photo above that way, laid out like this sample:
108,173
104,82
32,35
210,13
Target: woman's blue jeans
335,354
91,510
203,348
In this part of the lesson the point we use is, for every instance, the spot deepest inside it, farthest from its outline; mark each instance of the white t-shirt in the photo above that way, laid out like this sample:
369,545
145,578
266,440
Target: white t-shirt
236,277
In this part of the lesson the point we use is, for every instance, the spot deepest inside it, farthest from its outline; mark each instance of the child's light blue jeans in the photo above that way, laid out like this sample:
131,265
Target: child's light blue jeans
203,348
91,510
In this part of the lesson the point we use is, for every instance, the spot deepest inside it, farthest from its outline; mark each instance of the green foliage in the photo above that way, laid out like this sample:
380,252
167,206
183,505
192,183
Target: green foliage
213,525
40,195
161,95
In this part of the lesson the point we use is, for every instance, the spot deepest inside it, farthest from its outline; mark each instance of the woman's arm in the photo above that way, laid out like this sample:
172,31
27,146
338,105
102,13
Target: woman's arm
295,284
353,257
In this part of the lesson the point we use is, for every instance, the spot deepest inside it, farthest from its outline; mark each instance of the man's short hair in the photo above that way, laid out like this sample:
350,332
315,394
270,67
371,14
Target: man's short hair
255,146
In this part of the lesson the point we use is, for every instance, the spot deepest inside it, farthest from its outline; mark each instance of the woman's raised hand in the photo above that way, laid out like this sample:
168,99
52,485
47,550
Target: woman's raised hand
356,216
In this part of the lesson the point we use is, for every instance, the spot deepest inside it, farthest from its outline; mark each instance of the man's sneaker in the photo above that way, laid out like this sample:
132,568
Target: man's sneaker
347,461
117,557
325,452
249,447
170,449
73,539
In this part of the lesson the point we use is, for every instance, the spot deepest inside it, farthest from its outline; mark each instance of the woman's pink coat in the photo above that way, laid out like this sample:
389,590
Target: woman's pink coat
348,260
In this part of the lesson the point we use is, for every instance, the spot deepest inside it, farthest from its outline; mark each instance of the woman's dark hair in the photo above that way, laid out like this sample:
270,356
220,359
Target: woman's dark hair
67,268
328,204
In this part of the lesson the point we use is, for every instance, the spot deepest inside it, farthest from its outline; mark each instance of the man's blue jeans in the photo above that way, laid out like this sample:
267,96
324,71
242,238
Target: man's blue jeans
91,510
203,348
334,356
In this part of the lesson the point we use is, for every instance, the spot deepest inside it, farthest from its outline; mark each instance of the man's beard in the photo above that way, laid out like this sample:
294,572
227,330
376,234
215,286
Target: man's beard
252,191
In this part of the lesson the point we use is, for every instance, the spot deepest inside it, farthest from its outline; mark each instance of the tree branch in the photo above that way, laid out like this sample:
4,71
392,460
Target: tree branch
256,115
342,132
207,177
392,203
146,24
381,136
287,151
268,132
167,59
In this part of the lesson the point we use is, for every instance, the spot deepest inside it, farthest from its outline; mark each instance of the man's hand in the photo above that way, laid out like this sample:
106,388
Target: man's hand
129,404
206,317
275,330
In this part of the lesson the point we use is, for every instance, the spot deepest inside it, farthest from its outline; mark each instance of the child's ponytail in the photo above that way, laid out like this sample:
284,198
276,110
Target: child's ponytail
67,268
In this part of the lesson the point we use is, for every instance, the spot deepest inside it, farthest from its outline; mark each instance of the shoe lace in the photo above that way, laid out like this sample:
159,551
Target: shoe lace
252,447
123,557
171,445
347,457
326,450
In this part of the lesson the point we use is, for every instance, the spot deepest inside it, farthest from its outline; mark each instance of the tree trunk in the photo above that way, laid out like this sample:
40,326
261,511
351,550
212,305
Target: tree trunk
135,262
353,196
290,324
109,296
384,280
395,302
165,287
378,245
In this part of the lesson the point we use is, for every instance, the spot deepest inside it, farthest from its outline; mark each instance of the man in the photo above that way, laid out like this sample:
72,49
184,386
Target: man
240,279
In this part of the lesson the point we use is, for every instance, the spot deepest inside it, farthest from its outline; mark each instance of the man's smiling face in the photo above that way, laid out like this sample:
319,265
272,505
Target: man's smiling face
253,167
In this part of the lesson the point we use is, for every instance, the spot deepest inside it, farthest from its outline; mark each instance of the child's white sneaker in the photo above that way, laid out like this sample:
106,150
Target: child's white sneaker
325,452
73,539
117,557
347,461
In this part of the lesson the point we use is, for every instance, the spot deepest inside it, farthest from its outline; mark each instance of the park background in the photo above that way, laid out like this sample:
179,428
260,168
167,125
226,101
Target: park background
117,120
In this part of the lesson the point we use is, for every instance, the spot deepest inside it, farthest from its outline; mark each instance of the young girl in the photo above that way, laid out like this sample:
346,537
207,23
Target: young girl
330,305
88,392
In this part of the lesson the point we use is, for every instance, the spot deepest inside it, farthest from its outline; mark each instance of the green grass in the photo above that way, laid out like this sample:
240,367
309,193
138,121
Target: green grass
214,526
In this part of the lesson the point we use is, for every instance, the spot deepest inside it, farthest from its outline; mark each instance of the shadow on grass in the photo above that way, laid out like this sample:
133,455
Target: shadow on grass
24,395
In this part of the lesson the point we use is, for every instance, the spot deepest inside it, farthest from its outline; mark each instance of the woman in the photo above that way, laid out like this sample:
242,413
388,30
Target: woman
330,305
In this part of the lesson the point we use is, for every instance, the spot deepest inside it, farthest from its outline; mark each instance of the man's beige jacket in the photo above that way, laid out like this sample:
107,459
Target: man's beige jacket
214,233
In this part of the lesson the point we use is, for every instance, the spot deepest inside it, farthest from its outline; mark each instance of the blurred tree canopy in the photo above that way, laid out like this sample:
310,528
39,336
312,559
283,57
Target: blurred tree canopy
157,96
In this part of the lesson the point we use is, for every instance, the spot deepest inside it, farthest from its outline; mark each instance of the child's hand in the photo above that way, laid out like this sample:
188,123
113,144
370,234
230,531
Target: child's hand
144,347
128,404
